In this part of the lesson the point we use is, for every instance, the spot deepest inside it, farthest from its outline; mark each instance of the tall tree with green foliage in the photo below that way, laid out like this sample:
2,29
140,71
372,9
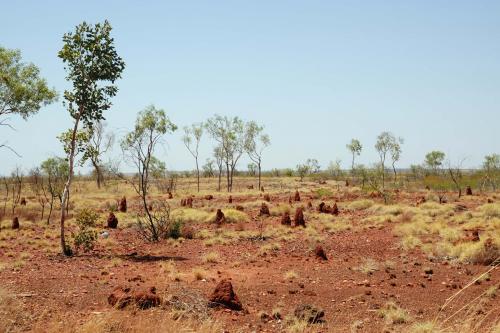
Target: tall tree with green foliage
355,148
229,133
255,143
434,160
385,143
396,152
192,137
491,168
92,65
23,91
55,170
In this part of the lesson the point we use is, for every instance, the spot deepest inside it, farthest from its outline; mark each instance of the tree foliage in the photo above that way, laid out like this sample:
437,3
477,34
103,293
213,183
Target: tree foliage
23,91
92,65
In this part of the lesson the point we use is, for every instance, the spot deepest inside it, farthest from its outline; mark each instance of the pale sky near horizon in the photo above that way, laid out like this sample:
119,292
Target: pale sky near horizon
315,73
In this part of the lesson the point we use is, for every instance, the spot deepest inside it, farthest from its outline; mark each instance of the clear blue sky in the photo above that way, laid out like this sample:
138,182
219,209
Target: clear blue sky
316,73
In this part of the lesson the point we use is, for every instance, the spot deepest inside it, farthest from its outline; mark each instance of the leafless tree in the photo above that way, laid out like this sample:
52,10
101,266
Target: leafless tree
455,173
17,178
98,145
39,188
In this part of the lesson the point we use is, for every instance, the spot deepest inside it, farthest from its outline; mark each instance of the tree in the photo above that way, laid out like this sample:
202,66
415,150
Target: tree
138,148
255,143
219,160
252,169
334,169
395,152
191,139
313,165
302,170
56,170
385,143
355,148
491,168
434,160
23,91
17,178
229,133
98,144
93,66
38,187
455,172
208,168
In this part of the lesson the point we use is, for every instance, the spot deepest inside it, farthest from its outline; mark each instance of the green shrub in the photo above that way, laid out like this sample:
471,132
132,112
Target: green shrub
174,230
86,235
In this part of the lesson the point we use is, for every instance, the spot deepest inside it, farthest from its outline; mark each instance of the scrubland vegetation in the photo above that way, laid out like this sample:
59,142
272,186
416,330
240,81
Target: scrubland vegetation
373,248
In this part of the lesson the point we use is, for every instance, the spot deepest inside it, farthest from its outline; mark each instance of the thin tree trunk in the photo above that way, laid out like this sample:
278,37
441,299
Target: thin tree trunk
50,210
220,178
198,174
395,174
43,211
65,196
228,178
259,176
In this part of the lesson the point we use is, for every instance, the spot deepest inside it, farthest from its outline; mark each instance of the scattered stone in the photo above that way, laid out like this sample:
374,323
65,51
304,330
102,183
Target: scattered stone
122,206
15,223
299,217
112,221
320,253
297,196
309,313
264,210
285,219
225,296
219,217
428,271
104,234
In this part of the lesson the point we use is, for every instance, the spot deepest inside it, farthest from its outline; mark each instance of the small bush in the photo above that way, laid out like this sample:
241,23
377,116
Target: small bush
86,236
174,229
368,266
393,314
